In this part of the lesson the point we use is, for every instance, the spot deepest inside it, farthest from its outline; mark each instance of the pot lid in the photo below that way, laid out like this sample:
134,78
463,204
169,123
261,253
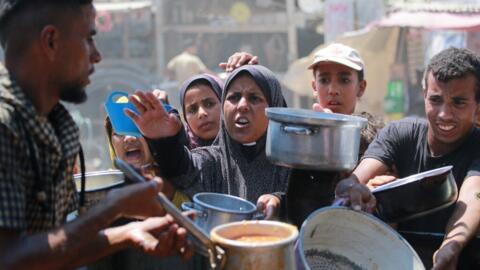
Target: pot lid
303,116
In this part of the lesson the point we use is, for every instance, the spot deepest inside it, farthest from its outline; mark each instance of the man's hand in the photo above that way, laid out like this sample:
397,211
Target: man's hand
237,60
152,120
160,236
446,257
269,205
355,195
380,180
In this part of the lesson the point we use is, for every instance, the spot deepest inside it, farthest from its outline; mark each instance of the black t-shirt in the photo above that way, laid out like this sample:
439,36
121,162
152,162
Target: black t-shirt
404,144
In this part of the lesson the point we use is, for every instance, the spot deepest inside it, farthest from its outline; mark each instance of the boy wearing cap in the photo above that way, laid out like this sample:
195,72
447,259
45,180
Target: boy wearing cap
338,81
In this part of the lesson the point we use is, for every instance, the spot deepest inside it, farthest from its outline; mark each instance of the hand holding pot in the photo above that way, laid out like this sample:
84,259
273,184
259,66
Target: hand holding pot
153,121
159,236
380,180
269,205
355,194
318,108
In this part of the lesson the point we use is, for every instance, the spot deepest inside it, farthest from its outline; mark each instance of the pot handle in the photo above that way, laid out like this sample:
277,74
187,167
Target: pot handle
190,206
297,130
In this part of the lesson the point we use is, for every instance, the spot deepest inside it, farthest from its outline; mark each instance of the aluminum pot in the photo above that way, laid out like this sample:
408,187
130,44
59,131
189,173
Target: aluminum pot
307,139
98,183
416,195
274,253
340,238
216,209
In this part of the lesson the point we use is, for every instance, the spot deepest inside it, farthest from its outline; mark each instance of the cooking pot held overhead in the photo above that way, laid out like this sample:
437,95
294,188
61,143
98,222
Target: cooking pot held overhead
306,139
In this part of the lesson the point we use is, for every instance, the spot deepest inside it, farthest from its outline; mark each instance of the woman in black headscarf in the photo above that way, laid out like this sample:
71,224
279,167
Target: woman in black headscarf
236,163
200,98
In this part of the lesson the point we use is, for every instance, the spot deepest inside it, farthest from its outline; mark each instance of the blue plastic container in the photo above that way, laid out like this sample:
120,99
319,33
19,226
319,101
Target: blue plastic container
116,102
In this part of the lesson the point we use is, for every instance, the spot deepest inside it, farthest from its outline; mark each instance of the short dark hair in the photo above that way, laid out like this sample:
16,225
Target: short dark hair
454,63
45,11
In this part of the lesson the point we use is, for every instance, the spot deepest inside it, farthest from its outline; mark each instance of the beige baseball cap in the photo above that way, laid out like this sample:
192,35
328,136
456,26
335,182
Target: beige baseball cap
341,54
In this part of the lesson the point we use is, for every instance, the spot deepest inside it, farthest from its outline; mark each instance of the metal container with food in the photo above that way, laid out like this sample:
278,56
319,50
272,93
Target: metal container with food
216,209
416,195
258,245
306,139
97,184
340,238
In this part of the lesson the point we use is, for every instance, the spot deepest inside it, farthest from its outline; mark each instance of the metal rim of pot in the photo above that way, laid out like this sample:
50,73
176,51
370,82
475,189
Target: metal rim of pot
77,177
310,117
378,223
389,211
217,238
197,200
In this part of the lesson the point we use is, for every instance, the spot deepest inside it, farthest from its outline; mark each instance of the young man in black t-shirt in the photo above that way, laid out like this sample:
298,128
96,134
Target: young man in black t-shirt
449,137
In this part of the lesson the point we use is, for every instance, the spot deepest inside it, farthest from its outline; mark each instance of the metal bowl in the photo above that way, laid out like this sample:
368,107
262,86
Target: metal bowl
340,238
416,195
97,184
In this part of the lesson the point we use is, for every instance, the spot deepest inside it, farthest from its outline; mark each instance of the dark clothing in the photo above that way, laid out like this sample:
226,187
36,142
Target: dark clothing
309,190
404,144
227,166
36,154
217,86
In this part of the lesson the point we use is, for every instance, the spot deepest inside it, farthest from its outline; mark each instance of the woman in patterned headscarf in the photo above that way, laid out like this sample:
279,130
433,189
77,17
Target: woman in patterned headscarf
236,163
200,98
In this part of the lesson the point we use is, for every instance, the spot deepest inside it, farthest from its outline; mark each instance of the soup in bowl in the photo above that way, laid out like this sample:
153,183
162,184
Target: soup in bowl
257,244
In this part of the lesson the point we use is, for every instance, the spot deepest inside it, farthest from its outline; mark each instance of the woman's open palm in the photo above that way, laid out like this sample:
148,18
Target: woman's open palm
152,120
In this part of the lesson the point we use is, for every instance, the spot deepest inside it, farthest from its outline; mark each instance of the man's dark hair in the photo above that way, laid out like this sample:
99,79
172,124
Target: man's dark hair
454,63
40,13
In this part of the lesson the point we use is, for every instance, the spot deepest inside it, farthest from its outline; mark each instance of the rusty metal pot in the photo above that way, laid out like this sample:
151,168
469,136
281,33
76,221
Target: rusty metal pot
267,254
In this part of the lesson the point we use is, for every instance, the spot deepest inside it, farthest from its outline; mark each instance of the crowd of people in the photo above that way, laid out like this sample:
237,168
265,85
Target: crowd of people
214,143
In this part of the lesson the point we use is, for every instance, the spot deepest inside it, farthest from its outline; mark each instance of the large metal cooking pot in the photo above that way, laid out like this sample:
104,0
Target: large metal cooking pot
416,195
270,245
216,209
307,139
98,183
340,238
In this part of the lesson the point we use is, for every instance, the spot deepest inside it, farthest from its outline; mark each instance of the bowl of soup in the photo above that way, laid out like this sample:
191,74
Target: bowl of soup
257,244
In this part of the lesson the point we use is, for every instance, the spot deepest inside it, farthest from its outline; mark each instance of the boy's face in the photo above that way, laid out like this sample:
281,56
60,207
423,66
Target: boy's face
451,111
337,87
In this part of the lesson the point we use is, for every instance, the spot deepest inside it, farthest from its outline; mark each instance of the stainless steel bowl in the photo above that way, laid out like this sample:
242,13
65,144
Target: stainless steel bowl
416,195
97,184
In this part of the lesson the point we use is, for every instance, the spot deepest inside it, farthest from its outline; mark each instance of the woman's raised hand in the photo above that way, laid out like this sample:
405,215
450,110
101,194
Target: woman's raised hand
152,120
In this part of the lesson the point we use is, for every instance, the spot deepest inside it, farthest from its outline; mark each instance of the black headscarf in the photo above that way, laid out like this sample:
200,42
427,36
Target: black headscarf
217,86
232,168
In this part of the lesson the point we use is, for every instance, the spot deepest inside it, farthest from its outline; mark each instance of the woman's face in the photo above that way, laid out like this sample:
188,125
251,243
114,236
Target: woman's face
244,110
202,111
132,150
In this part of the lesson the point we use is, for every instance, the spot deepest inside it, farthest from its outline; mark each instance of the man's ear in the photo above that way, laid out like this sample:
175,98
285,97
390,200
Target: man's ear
361,88
49,41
